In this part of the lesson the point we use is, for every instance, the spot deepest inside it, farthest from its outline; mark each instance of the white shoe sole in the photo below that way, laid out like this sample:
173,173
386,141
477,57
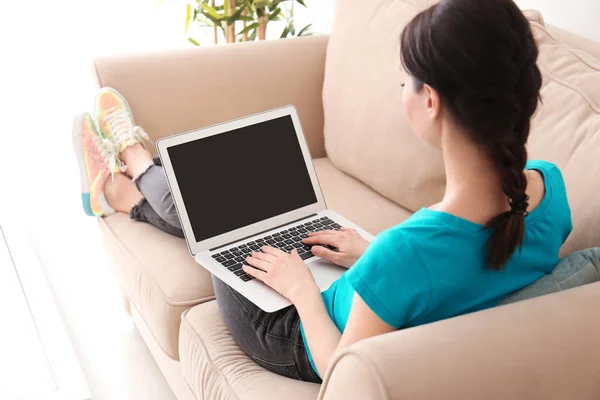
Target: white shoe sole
83,177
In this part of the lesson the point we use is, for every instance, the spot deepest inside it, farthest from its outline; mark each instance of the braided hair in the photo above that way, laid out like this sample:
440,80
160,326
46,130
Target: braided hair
480,56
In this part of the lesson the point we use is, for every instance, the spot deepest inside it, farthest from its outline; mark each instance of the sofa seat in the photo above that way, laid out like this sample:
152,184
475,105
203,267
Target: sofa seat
162,280
216,368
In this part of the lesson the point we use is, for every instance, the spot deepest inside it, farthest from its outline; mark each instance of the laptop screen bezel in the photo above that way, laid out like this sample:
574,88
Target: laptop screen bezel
229,237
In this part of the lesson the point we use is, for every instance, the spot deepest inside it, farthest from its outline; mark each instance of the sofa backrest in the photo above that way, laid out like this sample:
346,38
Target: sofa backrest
368,136
180,90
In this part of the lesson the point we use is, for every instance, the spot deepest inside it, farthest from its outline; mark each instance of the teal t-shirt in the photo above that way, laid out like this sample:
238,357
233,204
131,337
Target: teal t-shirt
432,266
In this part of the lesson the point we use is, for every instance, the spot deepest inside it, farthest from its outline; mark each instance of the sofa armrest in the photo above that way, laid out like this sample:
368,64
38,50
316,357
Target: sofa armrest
543,348
177,91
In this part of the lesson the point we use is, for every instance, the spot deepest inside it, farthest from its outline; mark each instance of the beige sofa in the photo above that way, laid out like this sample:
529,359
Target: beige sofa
373,170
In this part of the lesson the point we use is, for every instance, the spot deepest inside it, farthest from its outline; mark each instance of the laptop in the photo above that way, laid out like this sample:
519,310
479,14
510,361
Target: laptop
244,184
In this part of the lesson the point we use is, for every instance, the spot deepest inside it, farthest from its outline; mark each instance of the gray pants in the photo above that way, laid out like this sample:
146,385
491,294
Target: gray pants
272,340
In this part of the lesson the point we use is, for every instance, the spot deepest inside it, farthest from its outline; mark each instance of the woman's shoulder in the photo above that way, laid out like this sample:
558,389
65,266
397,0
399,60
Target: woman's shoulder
555,204
554,183
542,165
550,171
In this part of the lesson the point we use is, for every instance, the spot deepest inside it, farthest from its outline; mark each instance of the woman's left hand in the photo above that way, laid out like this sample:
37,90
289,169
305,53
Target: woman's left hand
286,273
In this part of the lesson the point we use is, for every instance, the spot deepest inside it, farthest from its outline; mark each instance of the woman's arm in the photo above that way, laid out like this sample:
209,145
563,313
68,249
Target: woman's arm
323,337
287,274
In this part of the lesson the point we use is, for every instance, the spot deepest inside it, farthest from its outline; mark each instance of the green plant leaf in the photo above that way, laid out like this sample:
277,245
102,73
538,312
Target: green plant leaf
301,2
246,18
304,30
249,28
188,17
227,7
261,3
210,12
275,14
250,7
252,36
215,21
274,4
192,41
286,31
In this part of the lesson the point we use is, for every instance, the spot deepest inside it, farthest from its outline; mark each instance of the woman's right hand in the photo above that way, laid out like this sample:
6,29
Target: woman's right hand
348,242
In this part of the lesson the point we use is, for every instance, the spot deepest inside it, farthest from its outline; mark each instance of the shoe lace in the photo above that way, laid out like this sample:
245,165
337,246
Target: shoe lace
119,123
108,151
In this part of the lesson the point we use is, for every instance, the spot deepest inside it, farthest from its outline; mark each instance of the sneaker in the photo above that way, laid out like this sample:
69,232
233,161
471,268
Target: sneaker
115,119
97,157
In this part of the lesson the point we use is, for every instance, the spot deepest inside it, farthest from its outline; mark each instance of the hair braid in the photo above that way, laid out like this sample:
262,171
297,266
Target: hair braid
481,58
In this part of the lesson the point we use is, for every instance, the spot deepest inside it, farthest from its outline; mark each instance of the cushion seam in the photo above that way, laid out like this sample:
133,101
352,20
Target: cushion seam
564,83
565,46
585,267
160,346
189,386
169,301
189,327
590,101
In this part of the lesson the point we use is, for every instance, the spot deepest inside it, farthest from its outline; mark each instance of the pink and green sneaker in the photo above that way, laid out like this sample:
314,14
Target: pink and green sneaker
97,157
115,119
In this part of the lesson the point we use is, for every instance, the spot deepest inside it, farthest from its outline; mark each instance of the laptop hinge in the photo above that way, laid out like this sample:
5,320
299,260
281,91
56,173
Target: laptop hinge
260,233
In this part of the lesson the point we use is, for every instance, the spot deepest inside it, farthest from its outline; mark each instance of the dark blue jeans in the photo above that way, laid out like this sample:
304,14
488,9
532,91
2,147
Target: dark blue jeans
272,340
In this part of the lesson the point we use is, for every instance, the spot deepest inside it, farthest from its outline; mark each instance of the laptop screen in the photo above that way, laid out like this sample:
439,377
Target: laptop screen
237,178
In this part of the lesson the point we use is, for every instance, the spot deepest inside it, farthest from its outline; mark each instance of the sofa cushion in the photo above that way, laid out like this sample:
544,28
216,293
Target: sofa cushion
216,368
367,134
356,201
157,274
566,129
574,270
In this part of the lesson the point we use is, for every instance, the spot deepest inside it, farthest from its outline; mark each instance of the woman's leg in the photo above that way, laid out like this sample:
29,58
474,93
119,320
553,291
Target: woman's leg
272,340
149,177
123,195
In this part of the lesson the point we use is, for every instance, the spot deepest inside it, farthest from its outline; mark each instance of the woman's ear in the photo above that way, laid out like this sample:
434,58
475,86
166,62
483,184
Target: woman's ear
432,102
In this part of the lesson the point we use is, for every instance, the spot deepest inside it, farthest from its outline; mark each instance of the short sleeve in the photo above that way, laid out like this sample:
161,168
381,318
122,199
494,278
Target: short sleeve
560,190
559,194
391,279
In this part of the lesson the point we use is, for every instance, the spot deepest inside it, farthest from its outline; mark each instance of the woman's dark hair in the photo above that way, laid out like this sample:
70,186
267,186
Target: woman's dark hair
480,56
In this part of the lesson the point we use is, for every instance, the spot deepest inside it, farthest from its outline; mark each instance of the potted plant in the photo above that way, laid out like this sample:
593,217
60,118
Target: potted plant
243,20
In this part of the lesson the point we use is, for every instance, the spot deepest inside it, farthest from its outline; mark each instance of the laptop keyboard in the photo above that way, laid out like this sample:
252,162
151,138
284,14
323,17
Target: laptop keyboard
285,240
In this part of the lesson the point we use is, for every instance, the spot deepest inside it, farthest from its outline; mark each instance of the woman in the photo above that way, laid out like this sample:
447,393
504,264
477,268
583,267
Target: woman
471,88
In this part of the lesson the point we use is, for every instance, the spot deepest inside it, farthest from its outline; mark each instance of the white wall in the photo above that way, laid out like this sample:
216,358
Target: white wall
578,16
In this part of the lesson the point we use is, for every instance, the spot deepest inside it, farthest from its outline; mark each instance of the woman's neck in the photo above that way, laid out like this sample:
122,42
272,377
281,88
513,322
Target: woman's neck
473,185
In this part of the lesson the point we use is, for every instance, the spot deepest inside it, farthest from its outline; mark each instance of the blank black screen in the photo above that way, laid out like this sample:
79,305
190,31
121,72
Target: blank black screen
237,178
